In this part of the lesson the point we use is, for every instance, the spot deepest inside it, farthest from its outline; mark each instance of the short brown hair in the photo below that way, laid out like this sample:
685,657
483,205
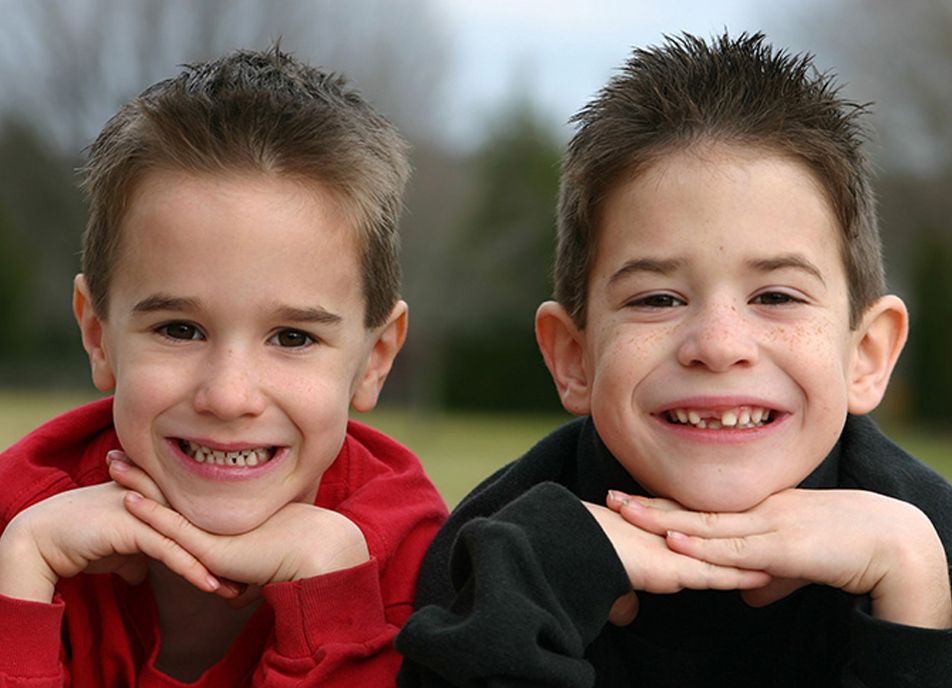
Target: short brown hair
737,91
259,112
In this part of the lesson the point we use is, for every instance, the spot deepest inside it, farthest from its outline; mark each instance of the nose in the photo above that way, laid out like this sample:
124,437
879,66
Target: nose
229,387
718,338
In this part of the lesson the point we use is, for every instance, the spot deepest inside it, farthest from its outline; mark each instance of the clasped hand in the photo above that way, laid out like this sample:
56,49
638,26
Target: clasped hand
116,527
860,542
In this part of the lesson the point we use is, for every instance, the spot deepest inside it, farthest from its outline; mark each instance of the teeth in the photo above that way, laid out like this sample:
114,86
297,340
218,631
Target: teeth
244,457
742,417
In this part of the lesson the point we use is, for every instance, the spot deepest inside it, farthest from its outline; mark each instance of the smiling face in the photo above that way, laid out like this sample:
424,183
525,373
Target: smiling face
235,341
717,360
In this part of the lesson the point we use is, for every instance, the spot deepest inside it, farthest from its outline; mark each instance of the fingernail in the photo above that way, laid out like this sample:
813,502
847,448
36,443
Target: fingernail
134,497
675,535
618,497
116,456
213,582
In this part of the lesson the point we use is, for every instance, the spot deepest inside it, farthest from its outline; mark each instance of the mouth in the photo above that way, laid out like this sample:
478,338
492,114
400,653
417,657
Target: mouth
734,418
251,456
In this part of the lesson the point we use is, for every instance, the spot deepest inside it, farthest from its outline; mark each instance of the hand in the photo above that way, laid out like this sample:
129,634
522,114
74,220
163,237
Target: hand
857,541
654,567
86,530
298,541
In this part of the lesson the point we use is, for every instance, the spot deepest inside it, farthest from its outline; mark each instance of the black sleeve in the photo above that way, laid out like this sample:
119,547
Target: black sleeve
888,655
532,586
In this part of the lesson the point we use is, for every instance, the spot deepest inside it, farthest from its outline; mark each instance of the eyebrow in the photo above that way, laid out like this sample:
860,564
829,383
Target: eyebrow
316,315
652,265
787,261
164,302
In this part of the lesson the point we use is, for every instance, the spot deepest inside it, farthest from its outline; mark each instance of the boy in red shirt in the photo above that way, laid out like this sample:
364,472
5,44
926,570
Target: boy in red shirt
239,293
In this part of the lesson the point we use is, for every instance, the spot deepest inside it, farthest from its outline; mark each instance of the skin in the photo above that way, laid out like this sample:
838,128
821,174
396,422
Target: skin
716,287
235,321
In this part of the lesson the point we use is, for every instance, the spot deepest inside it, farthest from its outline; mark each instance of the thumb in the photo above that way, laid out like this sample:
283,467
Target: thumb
775,590
625,609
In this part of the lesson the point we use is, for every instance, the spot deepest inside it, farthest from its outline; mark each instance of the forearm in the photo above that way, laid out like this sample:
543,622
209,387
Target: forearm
330,630
533,587
30,643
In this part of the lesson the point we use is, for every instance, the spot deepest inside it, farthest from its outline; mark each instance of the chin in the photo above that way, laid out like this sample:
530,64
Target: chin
220,523
734,502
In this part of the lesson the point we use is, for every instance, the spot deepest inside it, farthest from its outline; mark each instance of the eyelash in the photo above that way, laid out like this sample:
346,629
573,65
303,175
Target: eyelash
194,333
310,340
165,330
651,301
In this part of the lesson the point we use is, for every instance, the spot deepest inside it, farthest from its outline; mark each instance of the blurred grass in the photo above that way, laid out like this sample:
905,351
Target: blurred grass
457,449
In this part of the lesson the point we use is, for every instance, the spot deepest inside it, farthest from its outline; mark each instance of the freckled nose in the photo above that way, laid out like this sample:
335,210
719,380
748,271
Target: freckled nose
229,387
718,338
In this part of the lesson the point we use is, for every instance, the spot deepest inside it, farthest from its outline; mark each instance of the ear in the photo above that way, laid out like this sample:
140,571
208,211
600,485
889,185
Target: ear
563,348
879,341
91,328
389,339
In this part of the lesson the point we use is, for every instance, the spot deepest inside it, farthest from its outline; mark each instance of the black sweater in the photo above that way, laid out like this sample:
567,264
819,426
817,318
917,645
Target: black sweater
516,589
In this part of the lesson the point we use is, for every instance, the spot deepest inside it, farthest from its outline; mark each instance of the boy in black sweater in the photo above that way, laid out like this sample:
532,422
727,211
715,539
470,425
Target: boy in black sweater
721,325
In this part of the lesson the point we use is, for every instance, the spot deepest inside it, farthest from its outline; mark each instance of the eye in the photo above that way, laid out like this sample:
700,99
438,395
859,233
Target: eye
182,331
292,339
775,298
659,300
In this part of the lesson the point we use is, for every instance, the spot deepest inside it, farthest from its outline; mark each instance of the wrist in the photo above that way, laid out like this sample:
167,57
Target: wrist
24,573
343,547
915,591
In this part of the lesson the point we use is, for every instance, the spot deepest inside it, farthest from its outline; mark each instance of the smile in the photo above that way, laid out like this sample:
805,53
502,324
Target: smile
245,457
737,418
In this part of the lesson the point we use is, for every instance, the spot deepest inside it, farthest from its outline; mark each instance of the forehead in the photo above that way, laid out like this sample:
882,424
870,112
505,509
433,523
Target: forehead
240,232
729,200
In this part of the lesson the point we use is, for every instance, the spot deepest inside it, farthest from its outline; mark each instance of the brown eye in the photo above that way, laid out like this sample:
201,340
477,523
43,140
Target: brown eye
180,330
292,339
775,298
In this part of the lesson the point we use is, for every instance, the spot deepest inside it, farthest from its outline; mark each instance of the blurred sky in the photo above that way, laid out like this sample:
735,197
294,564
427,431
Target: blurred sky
560,53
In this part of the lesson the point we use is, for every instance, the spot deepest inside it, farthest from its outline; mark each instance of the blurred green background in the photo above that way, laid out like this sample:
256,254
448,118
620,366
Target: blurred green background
483,91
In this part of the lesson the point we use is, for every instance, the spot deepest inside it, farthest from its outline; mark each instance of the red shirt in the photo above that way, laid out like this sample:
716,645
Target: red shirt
331,630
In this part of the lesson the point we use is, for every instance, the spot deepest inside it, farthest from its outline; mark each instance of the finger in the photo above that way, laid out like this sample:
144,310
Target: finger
130,476
169,523
617,499
625,609
176,558
747,552
703,575
776,590
663,519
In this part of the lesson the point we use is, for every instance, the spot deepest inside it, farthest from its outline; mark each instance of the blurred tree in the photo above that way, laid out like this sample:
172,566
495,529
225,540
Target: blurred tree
41,215
499,275
65,67
930,373
899,55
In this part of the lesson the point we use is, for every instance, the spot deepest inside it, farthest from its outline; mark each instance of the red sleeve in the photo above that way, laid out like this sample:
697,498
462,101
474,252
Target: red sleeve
337,630
30,644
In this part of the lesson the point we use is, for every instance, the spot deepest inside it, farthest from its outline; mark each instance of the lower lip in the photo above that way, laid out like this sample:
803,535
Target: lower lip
723,435
213,471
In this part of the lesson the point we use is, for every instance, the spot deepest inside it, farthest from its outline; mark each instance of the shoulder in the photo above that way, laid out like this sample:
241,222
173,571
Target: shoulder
380,485
871,461
64,453
553,459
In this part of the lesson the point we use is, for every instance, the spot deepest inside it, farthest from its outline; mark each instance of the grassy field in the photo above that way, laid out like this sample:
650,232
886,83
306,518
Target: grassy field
458,450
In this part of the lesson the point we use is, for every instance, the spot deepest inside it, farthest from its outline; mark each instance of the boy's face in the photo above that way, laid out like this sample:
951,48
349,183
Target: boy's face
717,358
235,335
